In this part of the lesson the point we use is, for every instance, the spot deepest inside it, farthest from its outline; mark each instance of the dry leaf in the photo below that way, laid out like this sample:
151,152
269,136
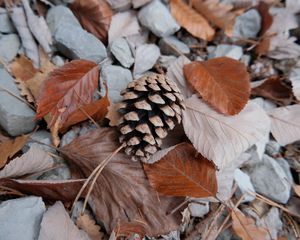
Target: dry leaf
10,147
220,138
245,227
86,223
285,124
123,24
35,160
274,89
297,189
22,68
183,172
56,224
94,15
175,73
218,13
113,115
222,82
192,21
67,87
122,194
54,190
294,77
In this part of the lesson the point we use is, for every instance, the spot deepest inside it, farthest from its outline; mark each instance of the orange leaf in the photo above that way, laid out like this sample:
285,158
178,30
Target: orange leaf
223,82
192,21
245,227
22,68
67,88
10,147
183,172
94,15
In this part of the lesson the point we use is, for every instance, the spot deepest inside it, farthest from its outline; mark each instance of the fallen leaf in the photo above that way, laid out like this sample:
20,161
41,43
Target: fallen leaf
113,115
274,89
245,227
122,194
222,82
294,77
218,13
56,224
296,189
22,68
183,172
86,223
54,190
67,87
220,138
35,160
192,21
10,147
266,17
94,15
285,124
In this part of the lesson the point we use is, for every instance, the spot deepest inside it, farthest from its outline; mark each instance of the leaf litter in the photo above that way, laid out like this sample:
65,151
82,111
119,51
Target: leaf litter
222,128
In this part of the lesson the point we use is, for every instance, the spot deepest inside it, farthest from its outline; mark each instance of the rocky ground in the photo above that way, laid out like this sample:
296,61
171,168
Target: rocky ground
140,36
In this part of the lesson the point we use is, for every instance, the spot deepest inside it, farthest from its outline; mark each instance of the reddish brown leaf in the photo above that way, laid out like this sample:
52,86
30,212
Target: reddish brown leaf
183,172
274,89
10,147
55,190
222,82
122,194
96,110
94,15
66,88
192,21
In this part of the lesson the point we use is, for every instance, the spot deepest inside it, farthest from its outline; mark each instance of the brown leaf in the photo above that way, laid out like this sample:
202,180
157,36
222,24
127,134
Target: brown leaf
183,172
245,227
296,189
94,15
222,82
218,13
54,190
274,89
86,223
67,88
22,68
10,147
192,21
122,194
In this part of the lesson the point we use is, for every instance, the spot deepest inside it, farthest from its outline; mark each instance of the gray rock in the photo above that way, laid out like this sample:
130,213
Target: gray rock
120,5
41,136
157,18
6,25
272,222
272,148
21,218
58,60
198,208
61,173
122,52
166,61
76,43
225,50
172,46
15,116
247,25
9,46
245,186
60,15
117,79
269,179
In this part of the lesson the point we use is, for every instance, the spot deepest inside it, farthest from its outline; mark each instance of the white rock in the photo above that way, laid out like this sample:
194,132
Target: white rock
226,50
122,52
272,222
120,5
9,46
145,57
58,61
266,104
21,218
6,25
247,25
244,183
137,40
166,61
172,46
270,180
198,208
272,148
139,3
117,79
157,18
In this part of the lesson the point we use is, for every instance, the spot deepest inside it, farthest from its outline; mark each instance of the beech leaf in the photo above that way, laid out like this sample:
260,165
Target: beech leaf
192,21
66,88
245,227
183,172
94,15
285,124
122,195
56,224
222,82
220,138
35,160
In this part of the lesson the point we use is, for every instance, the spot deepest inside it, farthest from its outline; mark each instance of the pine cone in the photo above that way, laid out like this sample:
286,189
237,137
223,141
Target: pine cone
151,106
